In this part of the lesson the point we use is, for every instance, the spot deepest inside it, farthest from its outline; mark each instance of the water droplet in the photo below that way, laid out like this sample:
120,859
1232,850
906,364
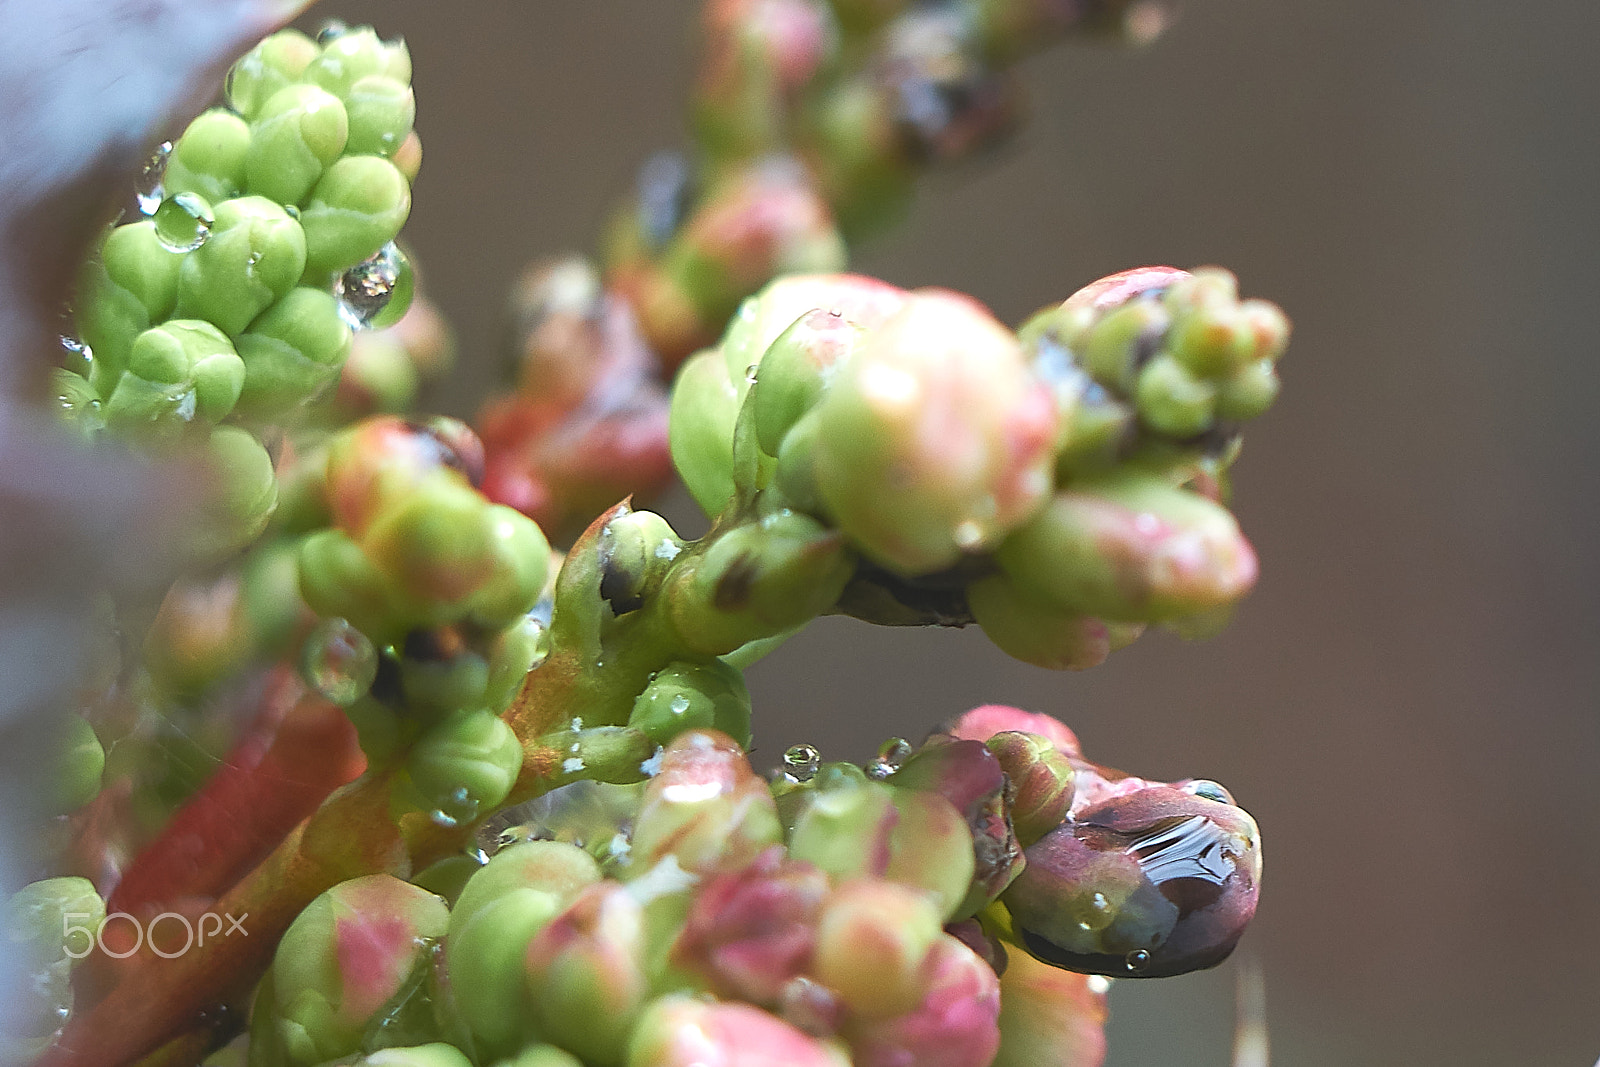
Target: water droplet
572,764
376,292
891,756
338,661
80,357
443,818
149,189
331,31
680,704
292,211
1099,983
1137,960
750,373
1208,790
183,222
459,807
801,762
967,535
667,549
652,766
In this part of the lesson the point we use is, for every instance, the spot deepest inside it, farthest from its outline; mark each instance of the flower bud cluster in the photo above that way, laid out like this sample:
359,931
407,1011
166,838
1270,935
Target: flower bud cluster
268,235
1029,482
437,584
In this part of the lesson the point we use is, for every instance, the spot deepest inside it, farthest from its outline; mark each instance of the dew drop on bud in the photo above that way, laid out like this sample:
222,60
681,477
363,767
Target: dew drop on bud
801,762
150,190
80,357
891,756
376,292
331,31
459,807
338,661
1208,790
1136,960
183,222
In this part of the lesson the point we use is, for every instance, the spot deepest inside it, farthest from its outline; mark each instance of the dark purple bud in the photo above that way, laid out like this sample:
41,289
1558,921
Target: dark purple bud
1155,882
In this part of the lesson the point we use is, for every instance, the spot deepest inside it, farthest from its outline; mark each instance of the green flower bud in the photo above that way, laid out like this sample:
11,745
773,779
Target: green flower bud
954,1025
178,371
503,906
374,466
872,939
291,352
447,877
440,673
381,111
465,765
342,959
1048,1015
1042,785
297,134
852,827
756,580
338,580
79,764
55,918
968,775
209,159
244,492
542,1056
1173,401
1037,632
437,544
761,320
705,808
516,650
795,370
268,67
705,406
636,550
935,438
586,973
356,54
436,1054
132,283
254,256
357,207
1250,392
80,401
693,696
682,1031
1132,548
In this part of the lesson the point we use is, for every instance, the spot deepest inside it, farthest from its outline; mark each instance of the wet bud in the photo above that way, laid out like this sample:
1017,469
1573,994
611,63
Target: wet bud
705,807
1039,633
297,134
1048,1015
705,406
356,54
48,926
340,961
851,827
292,352
465,765
795,369
1155,882
693,696
1132,548
968,775
954,1025
180,371
243,492
209,159
586,973
1041,782
507,902
636,549
761,320
519,568
267,68
681,1031
254,255
80,761
871,942
983,723
133,283
756,580
381,112
750,932
357,207
935,438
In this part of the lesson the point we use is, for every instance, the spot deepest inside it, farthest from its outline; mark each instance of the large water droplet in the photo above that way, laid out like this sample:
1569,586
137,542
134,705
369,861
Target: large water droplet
338,661
801,762
376,292
680,704
149,189
1137,960
183,222
890,758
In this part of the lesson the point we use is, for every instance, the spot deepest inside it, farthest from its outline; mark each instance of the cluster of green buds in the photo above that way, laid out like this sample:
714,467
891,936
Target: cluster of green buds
48,927
268,235
427,591
1035,482
835,915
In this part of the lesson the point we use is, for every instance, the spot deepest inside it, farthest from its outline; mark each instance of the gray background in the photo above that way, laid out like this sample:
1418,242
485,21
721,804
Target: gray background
1408,703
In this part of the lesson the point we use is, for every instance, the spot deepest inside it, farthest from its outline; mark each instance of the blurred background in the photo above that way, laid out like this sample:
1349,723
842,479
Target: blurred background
1410,701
